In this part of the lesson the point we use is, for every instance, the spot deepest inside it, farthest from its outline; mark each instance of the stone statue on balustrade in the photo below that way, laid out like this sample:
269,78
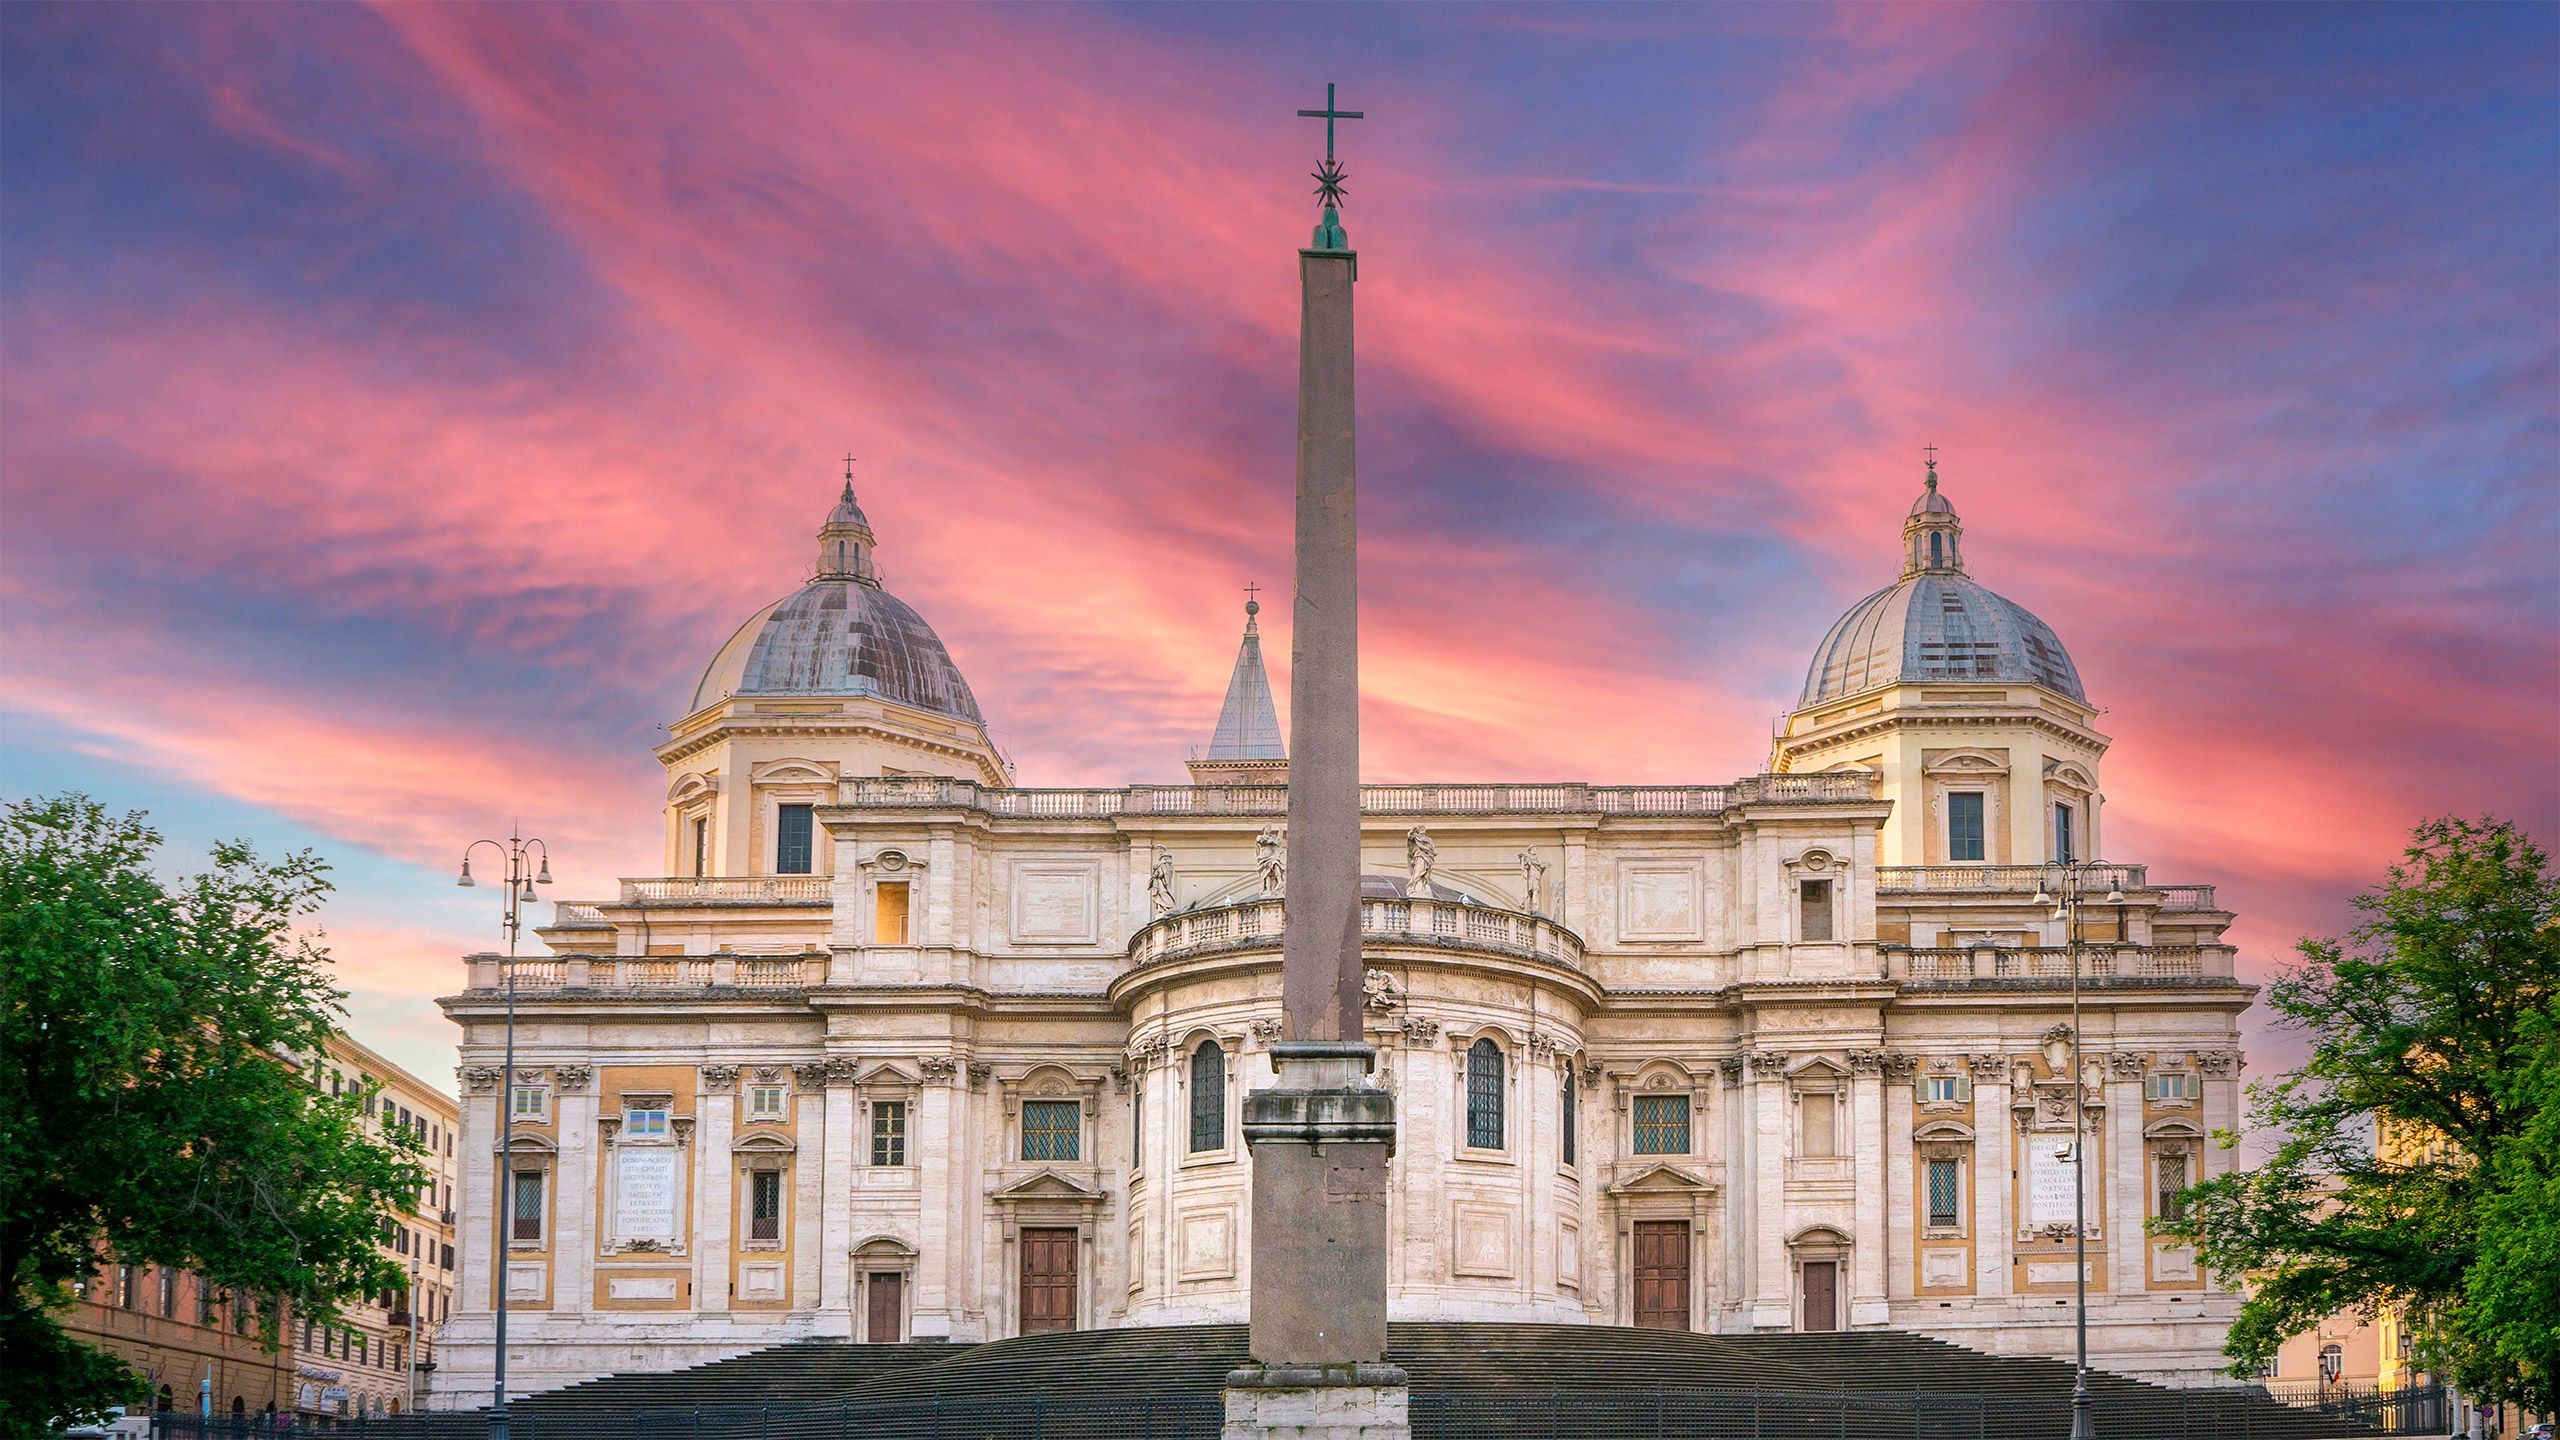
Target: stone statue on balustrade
1160,884
1533,881
1419,856
1271,858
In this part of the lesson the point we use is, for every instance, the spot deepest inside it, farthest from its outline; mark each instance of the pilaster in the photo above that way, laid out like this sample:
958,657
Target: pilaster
835,1275
2122,1220
1866,1106
1995,1147
575,1201
1770,1291
714,1182
941,1149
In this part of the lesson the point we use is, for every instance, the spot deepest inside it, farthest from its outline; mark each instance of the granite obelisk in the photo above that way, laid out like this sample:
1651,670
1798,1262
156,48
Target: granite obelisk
1322,1134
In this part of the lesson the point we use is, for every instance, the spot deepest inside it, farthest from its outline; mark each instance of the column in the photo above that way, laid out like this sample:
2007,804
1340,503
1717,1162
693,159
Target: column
1995,1162
576,1202
481,1236
937,1140
1771,1294
2126,1176
1902,1192
714,1181
835,1225
1873,1187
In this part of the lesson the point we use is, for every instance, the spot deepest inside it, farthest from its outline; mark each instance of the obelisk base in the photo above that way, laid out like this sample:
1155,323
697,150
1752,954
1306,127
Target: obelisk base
1318,1402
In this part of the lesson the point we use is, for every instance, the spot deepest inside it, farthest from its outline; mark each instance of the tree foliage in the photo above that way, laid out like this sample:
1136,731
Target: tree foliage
2419,1164
156,1107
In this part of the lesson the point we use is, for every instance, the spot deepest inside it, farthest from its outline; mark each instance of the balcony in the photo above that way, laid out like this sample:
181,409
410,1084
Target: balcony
727,890
2024,879
1569,798
583,974
1256,924
2050,965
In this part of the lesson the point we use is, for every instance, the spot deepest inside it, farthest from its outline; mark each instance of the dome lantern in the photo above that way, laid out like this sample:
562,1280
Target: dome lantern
1933,537
844,541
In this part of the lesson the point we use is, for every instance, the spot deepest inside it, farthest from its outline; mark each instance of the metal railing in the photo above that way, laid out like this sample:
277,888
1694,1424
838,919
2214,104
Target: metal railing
1564,798
1522,1411
1419,921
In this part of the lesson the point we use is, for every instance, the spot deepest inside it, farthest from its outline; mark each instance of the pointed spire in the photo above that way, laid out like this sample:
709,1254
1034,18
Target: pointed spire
844,540
1248,723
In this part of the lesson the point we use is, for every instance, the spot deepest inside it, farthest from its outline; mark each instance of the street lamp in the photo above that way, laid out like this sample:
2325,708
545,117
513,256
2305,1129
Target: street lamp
2076,879
521,855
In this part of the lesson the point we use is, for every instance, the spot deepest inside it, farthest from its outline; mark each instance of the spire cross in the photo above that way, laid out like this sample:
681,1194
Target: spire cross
1328,115
1932,452
848,467
1250,591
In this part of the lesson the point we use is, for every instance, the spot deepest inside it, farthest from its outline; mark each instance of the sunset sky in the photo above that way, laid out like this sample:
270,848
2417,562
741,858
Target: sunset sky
402,403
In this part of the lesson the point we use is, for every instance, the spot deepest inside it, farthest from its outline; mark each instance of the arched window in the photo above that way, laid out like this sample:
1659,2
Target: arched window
1208,1097
1937,549
1484,1096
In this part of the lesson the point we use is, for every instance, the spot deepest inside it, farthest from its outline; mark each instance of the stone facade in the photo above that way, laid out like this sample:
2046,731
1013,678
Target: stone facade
971,1060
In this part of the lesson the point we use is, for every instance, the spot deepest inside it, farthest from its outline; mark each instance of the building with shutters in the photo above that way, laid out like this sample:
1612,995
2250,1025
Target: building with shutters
897,1047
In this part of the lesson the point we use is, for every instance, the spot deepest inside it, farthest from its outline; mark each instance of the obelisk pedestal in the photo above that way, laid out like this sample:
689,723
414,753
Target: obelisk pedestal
1321,1136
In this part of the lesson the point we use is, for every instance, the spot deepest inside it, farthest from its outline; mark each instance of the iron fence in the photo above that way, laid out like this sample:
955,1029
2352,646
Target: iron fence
1554,1412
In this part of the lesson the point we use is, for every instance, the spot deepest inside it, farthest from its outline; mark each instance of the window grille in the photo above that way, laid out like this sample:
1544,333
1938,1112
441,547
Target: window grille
1052,1129
764,1205
888,1132
528,1206
2172,1168
1208,1097
1946,1189
1484,1096
1662,1124
794,834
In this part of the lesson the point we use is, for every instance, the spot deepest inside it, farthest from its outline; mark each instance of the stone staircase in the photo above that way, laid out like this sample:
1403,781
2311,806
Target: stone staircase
1479,1381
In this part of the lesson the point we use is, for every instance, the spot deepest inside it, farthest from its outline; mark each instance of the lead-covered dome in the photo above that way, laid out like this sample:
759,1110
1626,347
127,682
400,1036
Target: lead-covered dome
840,634
1936,624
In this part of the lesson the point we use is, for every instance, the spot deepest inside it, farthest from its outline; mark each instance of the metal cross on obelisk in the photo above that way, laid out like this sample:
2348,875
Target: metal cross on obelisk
1322,1134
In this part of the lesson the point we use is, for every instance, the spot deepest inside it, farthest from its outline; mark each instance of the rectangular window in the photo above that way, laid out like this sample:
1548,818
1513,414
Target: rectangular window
888,1132
1568,1121
444,1257
530,1102
329,1342
889,913
1946,1190
400,1242
764,1102
1821,1124
2063,850
702,845
2172,1204
764,1205
1662,1124
527,1210
1052,1129
1964,825
644,1124
2172,1085
1813,901
1946,1087
794,834
169,1293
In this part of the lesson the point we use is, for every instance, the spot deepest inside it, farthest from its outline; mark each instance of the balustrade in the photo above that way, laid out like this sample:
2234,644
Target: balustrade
2099,963
1438,921
2003,879
726,890
1564,798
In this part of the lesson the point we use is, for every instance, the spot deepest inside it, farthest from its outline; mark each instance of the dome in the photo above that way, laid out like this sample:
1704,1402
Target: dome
1937,626
840,634
1936,623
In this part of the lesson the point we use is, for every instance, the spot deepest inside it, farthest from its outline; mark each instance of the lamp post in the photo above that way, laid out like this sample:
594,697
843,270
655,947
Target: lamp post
2068,895
520,853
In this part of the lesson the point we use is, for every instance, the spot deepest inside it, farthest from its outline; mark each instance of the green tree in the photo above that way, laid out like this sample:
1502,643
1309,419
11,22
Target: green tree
2433,1032
155,1107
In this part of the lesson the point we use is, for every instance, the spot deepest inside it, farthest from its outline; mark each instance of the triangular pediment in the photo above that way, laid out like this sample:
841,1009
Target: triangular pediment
1047,1185
1657,1179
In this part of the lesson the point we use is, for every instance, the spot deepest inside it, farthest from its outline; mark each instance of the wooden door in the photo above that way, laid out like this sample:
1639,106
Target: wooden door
1821,1295
1662,1274
1048,1280
885,1318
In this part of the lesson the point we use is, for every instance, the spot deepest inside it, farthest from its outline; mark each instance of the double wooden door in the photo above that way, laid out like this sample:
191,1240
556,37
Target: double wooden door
1662,1274
1048,1280
885,1307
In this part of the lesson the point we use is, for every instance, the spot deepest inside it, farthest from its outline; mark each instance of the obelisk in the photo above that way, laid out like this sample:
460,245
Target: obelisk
1321,1136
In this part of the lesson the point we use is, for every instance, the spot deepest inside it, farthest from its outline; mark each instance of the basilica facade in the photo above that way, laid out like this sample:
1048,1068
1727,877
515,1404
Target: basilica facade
897,1048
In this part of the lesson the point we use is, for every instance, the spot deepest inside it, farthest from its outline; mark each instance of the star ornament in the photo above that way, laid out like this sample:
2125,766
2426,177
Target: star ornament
1328,180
